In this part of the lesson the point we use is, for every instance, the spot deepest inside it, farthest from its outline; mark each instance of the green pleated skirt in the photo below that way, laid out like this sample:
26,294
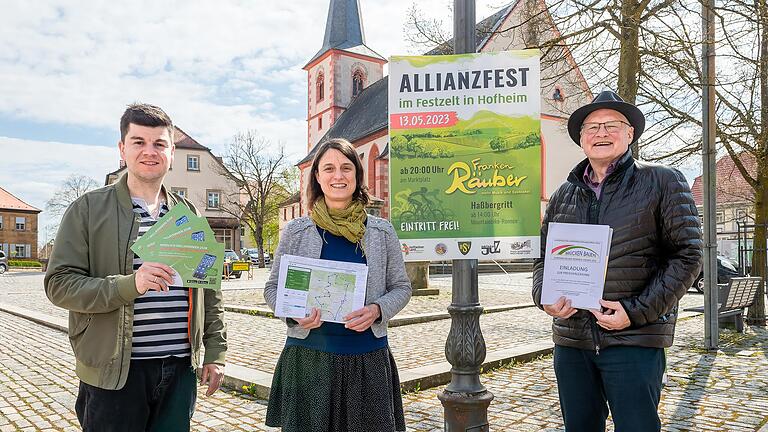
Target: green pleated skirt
316,391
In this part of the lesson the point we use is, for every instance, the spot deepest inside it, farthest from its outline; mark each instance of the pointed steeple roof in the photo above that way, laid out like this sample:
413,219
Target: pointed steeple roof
344,30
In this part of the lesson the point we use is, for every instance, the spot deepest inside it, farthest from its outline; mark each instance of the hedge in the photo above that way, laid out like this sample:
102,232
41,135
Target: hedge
24,263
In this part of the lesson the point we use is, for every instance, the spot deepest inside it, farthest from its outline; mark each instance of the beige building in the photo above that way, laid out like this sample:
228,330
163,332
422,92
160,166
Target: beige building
735,201
289,209
347,95
196,175
18,226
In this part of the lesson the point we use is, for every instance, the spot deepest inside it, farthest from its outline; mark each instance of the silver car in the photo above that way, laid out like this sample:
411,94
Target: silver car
253,254
3,262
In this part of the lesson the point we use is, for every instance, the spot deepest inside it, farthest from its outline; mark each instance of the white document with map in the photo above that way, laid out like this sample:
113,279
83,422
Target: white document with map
336,288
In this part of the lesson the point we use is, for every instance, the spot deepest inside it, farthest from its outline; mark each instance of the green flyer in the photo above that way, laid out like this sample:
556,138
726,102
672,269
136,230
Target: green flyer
465,155
186,243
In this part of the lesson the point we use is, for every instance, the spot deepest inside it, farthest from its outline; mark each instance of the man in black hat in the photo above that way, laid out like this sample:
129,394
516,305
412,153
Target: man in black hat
615,356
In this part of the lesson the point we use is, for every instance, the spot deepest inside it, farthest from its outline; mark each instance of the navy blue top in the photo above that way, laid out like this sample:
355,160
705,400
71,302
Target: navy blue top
334,337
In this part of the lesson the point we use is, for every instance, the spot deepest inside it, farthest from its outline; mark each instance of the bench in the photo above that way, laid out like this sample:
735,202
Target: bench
733,298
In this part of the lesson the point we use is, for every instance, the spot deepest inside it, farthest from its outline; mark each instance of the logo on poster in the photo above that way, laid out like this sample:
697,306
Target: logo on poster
441,249
491,249
411,249
464,247
520,248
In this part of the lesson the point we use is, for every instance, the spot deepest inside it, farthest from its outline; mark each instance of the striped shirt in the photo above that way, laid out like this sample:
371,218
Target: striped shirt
160,319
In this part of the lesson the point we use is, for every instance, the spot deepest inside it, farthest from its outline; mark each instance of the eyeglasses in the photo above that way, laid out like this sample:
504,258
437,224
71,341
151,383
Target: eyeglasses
610,126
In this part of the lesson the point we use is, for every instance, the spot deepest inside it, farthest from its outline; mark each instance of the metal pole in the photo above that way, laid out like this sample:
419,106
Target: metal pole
465,400
711,331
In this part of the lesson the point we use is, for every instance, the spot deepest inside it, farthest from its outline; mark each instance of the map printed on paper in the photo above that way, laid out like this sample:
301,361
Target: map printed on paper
335,288
332,293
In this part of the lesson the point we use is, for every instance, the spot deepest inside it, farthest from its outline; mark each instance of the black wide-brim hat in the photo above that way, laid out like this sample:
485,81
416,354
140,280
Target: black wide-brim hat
606,100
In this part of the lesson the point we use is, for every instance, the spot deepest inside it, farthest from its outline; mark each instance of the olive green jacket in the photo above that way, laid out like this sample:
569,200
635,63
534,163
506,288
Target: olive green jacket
90,273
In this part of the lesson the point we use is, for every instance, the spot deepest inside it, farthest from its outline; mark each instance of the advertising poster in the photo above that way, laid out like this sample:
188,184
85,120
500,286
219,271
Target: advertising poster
465,155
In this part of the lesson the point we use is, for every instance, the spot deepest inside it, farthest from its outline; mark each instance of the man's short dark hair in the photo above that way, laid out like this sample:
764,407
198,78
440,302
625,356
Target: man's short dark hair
144,115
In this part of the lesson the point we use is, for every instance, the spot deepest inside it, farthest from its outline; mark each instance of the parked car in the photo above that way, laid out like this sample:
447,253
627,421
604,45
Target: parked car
229,257
726,270
253,255
3,262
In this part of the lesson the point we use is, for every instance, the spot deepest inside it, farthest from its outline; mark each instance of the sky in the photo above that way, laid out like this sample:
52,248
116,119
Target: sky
68,70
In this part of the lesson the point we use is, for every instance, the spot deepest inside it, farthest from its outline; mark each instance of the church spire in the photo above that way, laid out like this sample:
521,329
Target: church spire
344,30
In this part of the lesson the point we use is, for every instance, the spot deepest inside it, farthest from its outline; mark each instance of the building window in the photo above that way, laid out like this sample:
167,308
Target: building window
21,223
319,122
293,212
1,221
214,198
193,163
720,219
741,218
320,87
741,215
21,251
224,235
358,82
285,214
182,192
558,95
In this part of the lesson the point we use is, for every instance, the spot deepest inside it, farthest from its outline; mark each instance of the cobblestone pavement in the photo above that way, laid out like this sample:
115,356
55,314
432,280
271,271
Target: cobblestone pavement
495,289
723,391
256,342
27,288
38,386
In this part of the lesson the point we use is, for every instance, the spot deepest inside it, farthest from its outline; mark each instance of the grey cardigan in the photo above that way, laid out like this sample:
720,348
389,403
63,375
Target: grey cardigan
388,285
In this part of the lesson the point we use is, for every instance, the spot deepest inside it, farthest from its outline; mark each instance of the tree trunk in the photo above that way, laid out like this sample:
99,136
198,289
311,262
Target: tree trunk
259,237
629,56
756,314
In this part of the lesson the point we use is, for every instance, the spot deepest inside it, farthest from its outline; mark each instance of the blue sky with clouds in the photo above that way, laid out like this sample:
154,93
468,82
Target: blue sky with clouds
68,69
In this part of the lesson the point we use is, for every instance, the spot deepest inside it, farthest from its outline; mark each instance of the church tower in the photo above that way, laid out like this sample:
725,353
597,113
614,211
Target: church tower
340,70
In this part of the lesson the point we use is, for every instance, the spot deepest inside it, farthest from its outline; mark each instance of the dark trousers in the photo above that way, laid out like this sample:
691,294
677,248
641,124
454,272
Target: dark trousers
627,378
159,395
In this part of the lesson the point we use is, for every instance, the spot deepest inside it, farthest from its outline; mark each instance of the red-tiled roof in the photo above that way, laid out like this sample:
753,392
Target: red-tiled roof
10,202
182,140
730,186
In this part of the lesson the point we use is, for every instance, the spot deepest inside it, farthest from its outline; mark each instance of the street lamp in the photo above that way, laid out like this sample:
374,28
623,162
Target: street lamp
465,400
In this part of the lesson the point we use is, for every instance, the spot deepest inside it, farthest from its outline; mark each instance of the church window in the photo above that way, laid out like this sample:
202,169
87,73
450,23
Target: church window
358,82
319,122
320,87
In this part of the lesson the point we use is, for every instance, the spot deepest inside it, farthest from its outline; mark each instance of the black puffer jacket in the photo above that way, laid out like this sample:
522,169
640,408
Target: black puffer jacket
656,251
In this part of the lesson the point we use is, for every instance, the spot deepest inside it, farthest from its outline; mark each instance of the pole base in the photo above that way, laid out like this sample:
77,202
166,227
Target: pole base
466,412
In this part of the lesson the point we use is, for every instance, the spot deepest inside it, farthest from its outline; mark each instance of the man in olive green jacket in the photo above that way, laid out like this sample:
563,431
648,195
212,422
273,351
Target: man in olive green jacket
136,338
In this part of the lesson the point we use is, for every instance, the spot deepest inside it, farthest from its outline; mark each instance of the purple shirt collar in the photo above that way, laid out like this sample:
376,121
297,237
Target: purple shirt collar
589,177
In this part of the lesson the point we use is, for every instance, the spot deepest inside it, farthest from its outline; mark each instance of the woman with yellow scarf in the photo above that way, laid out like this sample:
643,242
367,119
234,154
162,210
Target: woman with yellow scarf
340,377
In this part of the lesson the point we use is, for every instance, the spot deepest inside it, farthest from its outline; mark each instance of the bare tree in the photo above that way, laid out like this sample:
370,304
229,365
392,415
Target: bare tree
649,50
262,175
71,189
604,36
672,82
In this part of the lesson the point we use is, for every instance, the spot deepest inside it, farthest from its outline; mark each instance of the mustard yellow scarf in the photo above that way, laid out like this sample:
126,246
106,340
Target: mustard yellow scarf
348,223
